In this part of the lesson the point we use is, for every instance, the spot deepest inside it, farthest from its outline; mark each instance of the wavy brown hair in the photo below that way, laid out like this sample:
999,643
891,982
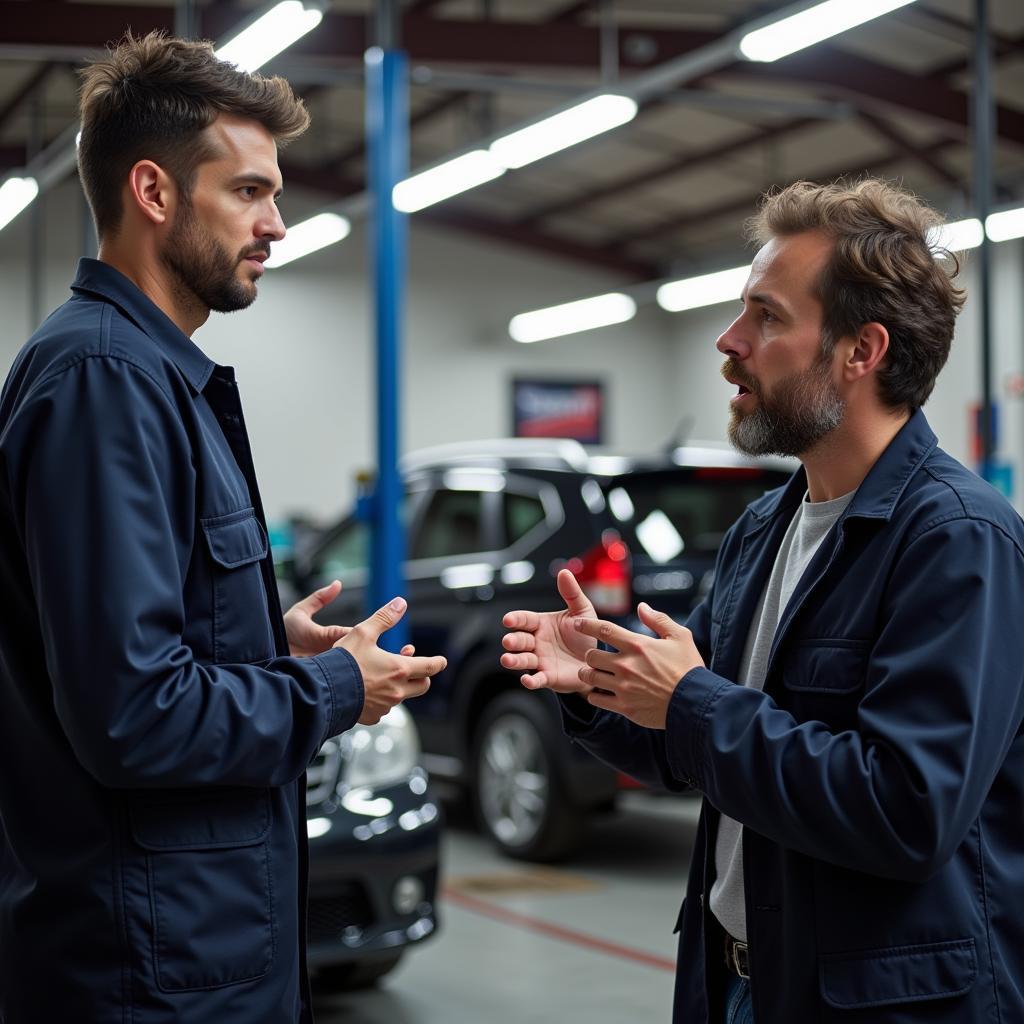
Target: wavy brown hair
150,98
883,269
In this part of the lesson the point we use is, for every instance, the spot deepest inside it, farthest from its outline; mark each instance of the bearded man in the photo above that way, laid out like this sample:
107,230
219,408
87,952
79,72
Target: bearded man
159,712
849,696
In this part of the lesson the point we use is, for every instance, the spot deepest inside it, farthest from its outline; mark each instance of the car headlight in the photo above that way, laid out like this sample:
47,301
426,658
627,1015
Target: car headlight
379,755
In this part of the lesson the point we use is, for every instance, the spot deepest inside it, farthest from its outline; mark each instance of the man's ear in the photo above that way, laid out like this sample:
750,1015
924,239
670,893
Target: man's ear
865,351
152,191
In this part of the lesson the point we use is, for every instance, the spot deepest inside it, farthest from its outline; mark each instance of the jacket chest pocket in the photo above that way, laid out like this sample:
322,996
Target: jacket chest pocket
210,887
824,679
237,544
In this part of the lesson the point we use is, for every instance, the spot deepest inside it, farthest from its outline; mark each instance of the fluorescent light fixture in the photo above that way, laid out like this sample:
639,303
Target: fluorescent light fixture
956,237
584,121
572,317
788,35
1007,224
15,195
706,290
268,36
308,236
445,180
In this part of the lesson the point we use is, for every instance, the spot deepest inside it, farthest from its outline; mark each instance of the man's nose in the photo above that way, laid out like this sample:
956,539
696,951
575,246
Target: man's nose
730,341
271,227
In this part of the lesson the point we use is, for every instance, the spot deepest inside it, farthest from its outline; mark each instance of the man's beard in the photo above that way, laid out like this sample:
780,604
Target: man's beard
802,409
204,270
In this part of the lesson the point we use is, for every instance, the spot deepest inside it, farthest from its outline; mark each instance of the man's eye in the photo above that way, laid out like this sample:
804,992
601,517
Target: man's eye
767,315
249,191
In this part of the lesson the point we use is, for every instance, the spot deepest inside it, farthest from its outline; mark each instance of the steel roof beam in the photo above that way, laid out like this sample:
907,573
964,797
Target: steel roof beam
512,44
828,66
929,161
677,165
31,84
749,203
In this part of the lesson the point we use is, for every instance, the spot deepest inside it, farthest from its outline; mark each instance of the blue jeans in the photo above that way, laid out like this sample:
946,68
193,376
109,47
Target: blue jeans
737,1001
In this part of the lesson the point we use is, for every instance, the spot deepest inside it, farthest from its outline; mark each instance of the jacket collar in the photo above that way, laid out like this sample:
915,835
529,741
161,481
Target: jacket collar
97,278
879,491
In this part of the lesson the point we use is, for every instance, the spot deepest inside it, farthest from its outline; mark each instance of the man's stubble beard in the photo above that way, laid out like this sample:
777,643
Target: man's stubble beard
205,274
802,409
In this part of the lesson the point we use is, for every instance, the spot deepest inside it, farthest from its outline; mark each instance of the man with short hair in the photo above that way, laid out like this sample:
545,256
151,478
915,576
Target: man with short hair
159,713
849,696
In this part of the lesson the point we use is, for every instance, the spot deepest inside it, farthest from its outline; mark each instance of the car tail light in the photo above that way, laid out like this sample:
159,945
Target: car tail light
625,781
605,574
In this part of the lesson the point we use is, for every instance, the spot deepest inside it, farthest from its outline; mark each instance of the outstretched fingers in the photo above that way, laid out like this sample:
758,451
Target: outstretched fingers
572,594
606,632
516,642
384,618
525,662
522,620
421,667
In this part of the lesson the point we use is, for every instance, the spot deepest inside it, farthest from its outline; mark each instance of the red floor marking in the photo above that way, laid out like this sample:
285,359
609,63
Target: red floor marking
555,931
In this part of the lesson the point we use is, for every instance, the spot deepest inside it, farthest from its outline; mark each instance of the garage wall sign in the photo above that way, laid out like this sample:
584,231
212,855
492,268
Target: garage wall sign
558,408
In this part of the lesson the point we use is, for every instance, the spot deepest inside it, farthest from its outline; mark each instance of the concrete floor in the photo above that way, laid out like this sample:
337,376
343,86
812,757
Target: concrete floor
587,940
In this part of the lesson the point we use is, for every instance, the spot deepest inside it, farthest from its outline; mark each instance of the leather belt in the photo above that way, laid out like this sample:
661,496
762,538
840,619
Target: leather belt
737,956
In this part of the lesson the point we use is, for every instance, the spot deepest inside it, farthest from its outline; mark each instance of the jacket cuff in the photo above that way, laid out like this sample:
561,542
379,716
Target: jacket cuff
578,717
689,712
344,684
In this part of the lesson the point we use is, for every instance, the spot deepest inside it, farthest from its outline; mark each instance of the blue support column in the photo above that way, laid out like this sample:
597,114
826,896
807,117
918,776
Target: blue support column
387,127
984,121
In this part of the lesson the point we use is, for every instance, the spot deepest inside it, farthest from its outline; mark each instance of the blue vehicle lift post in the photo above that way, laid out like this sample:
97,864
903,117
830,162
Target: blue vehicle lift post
387,130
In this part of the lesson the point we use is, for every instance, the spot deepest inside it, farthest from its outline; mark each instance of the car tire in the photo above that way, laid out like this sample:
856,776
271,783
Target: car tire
350,977
519,793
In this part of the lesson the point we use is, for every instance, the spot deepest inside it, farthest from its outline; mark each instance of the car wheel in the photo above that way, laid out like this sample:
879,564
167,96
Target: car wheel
518,788
349,977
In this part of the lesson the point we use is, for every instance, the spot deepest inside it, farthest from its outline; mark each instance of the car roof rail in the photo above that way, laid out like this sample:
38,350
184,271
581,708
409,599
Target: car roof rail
556,453
722,453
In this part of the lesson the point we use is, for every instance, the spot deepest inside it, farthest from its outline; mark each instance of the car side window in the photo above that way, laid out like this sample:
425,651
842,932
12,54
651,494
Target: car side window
348,551
451,525
522,514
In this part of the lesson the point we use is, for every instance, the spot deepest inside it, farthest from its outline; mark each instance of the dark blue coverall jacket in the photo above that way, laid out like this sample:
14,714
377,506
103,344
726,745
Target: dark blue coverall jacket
153,734
879,776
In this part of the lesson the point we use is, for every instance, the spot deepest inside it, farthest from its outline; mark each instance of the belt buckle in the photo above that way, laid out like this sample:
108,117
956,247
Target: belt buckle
737,956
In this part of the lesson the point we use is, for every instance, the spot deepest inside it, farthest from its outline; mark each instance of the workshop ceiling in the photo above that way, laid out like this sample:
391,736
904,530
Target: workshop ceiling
665,193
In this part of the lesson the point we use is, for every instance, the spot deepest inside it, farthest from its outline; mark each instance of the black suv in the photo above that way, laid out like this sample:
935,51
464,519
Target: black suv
374,837
489,524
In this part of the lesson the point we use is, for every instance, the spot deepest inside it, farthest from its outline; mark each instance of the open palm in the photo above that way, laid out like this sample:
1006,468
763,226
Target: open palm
545,646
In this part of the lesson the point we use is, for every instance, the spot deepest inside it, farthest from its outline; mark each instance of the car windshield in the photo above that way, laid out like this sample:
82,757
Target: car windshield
665,515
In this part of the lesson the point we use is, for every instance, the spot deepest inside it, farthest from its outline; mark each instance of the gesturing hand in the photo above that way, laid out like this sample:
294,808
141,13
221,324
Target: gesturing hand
306,637
388,679
546,646
638,678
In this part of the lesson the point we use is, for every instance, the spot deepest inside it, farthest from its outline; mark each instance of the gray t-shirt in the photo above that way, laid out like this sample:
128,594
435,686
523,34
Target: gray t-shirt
811,523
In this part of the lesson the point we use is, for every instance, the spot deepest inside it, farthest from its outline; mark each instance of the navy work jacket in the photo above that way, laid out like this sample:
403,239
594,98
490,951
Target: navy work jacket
153,733
880,774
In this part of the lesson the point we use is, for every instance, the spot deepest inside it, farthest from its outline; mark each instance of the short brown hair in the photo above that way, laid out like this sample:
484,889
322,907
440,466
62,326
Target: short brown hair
883,269
151,98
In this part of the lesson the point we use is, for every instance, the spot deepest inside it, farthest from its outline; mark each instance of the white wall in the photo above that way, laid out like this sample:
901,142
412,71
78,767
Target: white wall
304,355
